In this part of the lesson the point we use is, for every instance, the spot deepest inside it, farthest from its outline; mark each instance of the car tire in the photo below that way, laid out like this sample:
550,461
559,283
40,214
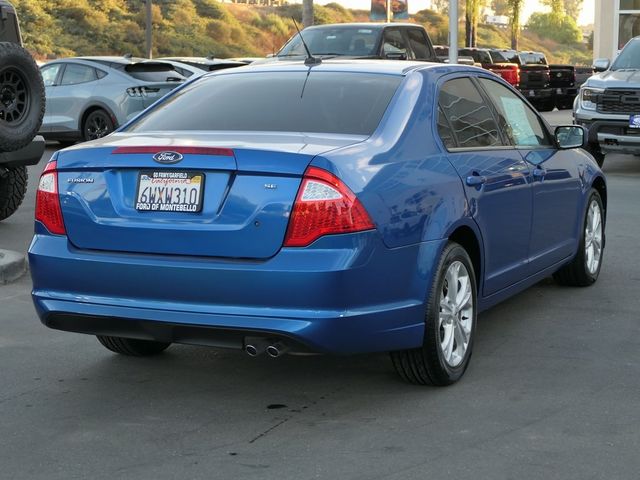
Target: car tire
98,124
13,187
22,97
132,347
585,267
597,153
547,106
442,360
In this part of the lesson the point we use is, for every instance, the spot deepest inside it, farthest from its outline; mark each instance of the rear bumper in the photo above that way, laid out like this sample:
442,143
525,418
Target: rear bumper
344,294
537,94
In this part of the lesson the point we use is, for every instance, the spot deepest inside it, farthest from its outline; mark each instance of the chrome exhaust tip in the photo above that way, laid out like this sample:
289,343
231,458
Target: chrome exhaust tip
254,346
277,350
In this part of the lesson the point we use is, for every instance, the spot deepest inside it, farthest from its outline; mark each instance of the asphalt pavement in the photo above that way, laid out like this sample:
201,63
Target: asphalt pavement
552,392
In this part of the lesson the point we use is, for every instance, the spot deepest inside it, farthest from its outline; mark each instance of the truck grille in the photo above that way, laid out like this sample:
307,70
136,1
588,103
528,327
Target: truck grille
619,101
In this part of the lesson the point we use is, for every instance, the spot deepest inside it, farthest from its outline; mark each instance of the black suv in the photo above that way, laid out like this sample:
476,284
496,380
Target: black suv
22,105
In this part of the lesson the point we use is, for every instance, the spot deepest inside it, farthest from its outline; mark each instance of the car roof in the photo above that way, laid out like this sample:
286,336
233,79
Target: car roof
384,67
202,60
372,26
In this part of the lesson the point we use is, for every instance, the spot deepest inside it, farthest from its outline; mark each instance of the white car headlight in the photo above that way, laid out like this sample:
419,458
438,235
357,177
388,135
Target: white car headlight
588,97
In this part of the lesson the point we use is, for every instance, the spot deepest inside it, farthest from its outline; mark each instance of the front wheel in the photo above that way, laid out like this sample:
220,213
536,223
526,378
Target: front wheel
98,124
450,324
584,269
132,347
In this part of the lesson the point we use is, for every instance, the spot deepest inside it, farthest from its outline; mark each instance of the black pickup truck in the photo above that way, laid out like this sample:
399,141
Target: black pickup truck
566,81
22,105
535,76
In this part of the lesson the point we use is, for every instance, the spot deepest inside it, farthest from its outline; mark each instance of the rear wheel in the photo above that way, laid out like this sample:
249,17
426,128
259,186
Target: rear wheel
585,267
98,124
547,106
450,324
13,187
132,347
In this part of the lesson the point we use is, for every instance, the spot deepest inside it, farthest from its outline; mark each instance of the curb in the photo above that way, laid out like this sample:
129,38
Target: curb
12,266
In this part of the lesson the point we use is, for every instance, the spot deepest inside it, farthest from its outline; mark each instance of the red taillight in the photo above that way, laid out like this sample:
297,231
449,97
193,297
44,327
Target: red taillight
324,206
48,210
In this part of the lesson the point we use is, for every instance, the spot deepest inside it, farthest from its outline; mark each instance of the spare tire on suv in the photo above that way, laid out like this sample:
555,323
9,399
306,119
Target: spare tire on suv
22,100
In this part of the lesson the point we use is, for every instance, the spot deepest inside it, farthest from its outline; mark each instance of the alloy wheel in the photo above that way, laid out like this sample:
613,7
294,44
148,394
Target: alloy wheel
456,314
593,237
14,98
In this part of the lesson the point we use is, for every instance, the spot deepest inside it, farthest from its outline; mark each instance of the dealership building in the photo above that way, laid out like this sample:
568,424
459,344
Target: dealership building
617,21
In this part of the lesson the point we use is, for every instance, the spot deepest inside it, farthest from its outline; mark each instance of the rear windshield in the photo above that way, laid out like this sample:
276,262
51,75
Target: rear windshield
505,57
533,59
153,72
629,58
357,42
319,102
479,56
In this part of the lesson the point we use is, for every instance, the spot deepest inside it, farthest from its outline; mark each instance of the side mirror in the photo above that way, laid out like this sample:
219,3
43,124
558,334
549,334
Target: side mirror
571,136
270,55
601,65
396,56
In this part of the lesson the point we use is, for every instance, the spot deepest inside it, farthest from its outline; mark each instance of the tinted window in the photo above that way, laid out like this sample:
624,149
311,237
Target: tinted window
326,102
354,41
471,119
519,123
153,72
74,74
532,59
394,44
419,44
479,56
505,56
445,131
50,73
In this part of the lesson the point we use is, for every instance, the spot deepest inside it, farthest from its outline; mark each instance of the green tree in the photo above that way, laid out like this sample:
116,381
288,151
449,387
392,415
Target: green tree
563,30
573,8
500,7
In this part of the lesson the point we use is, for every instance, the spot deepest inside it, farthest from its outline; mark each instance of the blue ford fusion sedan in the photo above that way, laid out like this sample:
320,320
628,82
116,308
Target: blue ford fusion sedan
341,207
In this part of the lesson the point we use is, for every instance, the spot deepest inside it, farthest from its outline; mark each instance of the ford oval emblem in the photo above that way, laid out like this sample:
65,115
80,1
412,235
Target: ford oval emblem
168,157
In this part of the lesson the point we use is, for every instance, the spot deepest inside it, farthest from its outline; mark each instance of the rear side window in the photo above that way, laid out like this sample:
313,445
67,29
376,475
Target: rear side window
320,102
75,74
470,118
419,44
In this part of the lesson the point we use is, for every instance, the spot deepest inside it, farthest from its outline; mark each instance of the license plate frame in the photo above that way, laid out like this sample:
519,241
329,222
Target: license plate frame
634,121
183,188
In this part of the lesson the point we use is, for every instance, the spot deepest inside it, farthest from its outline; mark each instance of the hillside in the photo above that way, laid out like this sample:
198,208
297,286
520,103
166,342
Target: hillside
54,28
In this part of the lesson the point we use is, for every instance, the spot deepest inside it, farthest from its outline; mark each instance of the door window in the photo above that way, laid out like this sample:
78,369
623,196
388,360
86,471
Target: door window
472,121
50,73
419,44
75,74
520,125
394,45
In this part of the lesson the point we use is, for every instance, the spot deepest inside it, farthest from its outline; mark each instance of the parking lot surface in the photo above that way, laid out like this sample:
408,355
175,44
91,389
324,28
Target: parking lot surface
553,391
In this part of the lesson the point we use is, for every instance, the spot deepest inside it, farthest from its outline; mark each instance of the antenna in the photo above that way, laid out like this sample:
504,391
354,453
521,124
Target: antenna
310,60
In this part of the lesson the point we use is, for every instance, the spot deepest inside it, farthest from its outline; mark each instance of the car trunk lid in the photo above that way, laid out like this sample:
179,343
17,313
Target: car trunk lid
239,191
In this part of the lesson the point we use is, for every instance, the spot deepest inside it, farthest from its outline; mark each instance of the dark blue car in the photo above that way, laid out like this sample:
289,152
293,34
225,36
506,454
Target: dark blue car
339,208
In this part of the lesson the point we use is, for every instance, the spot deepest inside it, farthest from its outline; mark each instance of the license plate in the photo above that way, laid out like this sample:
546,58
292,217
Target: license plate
559,91
169,191
532,93
634,121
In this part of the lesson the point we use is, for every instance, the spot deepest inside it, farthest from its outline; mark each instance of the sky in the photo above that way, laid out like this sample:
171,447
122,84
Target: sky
530,7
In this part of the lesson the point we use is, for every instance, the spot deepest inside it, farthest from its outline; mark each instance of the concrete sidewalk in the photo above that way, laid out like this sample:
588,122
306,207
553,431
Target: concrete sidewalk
12,266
